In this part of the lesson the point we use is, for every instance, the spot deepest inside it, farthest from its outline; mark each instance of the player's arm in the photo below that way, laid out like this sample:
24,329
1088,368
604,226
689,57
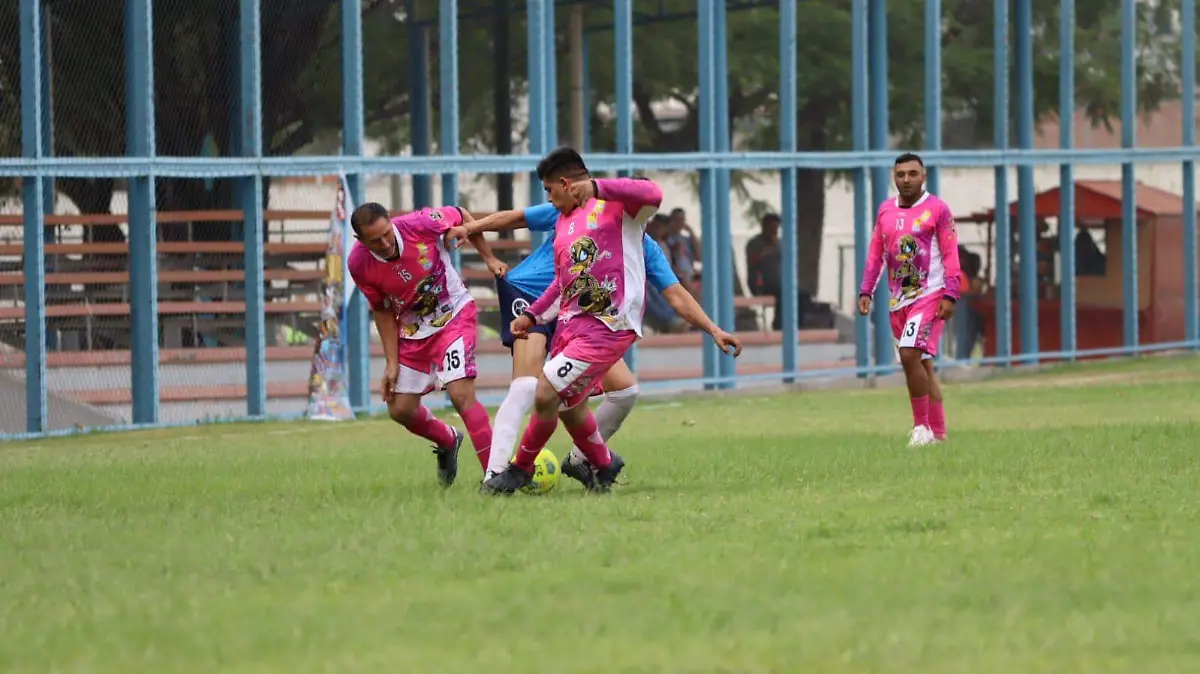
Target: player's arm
540,218
640,196
494,264
385,323
389,334
873,271
947,238
690,310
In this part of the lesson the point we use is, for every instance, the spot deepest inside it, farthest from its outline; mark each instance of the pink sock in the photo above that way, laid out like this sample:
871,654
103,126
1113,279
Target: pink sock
537,434
937,419
479,427
431,428
920,410
587,439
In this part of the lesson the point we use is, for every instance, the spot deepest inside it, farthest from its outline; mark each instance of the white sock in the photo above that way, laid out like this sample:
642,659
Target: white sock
507,424
611,414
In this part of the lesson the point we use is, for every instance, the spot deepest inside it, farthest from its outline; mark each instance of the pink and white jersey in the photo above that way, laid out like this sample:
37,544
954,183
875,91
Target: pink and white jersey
420,284
918,248
599,260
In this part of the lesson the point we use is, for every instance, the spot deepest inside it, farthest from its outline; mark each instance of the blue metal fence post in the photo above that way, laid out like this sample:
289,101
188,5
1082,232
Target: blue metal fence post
448,85
933,89
358,329
726,364
549,78
880,176
933,111
1191,314
860,141
32,206
787,179
250,198
143,276
623,46
587,94
419,95
1027,219
1066,175
1003,264
1129,226
536,100
710,295
47,121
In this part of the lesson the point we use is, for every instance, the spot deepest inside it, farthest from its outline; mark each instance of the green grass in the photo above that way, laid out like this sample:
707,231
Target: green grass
1058,531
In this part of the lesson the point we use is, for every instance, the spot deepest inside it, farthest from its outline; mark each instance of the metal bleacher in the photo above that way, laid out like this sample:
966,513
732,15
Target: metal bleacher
201,312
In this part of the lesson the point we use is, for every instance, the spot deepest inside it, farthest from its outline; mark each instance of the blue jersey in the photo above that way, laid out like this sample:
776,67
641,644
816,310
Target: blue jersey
535,273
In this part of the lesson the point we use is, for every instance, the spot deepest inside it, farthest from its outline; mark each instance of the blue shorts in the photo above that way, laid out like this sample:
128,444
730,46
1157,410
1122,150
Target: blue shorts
513,303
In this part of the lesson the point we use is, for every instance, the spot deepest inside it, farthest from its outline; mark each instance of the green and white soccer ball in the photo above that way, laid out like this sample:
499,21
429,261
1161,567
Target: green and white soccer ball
545,474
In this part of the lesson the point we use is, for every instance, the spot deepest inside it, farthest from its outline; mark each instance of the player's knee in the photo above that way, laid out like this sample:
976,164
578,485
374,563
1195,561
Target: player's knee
546,400
402,410
910,357
626,397
462,399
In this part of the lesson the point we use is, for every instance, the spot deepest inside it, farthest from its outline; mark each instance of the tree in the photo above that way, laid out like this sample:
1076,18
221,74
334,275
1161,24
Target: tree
665,68
196,81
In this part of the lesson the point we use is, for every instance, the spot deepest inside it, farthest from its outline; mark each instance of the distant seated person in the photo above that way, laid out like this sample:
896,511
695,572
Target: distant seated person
659,314
683,250
763,265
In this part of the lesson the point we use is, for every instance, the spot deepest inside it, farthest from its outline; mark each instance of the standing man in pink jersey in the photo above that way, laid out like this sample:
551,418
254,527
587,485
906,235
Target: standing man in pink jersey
916,244
426,320
598,296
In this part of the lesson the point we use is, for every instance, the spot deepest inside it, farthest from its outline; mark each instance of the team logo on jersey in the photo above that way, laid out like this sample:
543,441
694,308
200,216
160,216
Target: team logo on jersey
435,215
584,253
594,216
423,256
519,306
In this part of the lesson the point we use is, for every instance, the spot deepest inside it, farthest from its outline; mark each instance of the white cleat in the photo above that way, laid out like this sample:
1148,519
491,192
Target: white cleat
921,436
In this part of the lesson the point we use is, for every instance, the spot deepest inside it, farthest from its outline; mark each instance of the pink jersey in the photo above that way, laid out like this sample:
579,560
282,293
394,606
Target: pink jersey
918,246
599,263
420,285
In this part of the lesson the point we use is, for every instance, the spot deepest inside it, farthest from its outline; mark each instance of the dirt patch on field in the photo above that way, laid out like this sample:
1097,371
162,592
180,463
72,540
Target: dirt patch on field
1082,379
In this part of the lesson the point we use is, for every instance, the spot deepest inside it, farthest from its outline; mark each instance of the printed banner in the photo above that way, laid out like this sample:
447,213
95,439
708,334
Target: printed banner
328,397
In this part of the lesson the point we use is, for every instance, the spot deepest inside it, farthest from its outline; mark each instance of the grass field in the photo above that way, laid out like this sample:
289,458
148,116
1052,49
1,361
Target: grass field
1057,531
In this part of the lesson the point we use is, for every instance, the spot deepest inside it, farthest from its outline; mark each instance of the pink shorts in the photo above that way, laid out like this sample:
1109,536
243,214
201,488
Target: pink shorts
915,325
583,351
445,356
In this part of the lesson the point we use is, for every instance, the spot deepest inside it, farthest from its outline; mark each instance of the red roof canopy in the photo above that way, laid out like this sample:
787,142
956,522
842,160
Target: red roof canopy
1095,200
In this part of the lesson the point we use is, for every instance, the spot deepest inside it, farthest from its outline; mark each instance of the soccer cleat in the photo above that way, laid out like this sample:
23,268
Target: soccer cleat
447,459
607,477
486,476
512,479
921,436
579,469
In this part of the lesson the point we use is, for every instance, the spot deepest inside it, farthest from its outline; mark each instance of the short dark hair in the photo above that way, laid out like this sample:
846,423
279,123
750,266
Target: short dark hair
366,214
907,157
677,211
770,217
660,217
562,161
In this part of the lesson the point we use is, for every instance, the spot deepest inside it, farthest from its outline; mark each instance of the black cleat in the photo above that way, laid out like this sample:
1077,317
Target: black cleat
512,479
579,469
607,477
447,459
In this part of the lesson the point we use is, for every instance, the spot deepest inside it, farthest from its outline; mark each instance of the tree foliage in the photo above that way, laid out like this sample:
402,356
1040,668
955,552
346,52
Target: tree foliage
196,80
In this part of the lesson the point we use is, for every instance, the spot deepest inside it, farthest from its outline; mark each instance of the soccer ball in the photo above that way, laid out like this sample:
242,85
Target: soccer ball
545,474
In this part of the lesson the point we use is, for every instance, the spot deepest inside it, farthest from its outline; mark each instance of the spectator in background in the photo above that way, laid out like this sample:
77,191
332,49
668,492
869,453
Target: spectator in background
763,265
683,249
659,314
969,321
